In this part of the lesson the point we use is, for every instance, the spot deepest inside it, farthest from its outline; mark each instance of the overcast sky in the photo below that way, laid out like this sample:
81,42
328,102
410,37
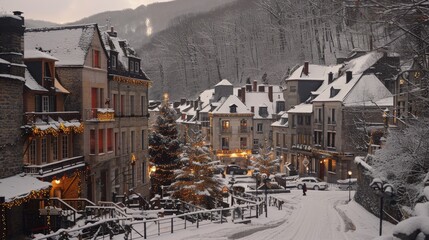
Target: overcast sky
64,11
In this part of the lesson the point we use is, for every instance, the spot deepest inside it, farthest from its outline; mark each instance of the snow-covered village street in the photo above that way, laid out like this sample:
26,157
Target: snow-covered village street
214,119
319,215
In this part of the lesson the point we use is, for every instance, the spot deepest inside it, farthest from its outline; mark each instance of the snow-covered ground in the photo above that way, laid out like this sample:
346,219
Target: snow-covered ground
319,215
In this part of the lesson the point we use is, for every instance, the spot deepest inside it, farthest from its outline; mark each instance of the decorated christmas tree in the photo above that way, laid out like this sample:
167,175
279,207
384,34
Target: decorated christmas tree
265,161
164,148
195,181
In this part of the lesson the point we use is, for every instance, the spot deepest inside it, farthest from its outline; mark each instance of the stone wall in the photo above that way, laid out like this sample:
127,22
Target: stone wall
11,142
367,197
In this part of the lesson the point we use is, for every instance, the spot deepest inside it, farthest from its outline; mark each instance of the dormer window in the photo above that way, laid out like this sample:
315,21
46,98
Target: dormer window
113,60
263,111
136,67
233,108
131,64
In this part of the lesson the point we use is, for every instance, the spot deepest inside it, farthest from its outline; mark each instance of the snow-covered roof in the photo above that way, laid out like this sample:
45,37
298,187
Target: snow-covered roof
36,54
362,63
302,108
69,44
2,61
31,83
315,72
232,99
20,186
60,88
224,82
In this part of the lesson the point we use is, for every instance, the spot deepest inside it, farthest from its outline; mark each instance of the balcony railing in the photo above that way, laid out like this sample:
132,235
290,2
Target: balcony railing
31,117
100,114
61,165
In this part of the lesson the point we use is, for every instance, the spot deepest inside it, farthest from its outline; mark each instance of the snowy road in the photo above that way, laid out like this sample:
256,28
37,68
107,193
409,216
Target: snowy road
319,215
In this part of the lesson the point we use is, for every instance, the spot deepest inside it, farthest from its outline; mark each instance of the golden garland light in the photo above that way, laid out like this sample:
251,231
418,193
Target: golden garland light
128,80
32,195
64,129
78,130
41,133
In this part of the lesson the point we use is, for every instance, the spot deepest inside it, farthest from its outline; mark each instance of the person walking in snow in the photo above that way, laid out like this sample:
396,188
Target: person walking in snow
304,190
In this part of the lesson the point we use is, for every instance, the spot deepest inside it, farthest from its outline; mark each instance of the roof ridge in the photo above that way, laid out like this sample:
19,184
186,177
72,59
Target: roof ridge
56,28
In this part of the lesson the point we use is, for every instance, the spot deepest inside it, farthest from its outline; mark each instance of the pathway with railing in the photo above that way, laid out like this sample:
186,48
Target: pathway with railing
108,219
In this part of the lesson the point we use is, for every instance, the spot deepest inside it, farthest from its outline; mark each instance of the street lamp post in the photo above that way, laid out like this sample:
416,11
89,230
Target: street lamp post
232,182
383,190
265,178
133,163
349,173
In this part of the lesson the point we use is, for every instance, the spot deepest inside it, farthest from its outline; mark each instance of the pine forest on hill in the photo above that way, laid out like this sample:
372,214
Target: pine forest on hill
248,38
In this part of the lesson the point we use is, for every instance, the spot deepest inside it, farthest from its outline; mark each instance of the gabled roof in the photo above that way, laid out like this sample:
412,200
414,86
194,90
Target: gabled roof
36,54
224,82
361,88
69,44
224,107
301,108
316,72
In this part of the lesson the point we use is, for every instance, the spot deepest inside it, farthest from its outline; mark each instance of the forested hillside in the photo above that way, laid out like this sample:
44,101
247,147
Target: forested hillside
249,38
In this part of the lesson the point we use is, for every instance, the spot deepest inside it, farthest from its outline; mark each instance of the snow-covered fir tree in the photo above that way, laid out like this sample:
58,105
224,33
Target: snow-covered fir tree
164,148
265,160
195,182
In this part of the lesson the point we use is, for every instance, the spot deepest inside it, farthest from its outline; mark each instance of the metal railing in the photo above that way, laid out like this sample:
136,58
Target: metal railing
55,166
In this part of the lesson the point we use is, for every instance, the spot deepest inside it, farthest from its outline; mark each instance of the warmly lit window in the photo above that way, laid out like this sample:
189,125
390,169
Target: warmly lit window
65,146
225,125
96,59
109,139
44,150
225,143
92,141
100,140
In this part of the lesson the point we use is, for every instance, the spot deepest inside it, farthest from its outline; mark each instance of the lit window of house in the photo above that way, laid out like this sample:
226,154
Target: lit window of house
225,126
332,165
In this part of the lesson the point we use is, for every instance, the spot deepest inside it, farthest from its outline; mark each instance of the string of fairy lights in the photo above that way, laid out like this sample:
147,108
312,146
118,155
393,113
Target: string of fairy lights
34,194
36,131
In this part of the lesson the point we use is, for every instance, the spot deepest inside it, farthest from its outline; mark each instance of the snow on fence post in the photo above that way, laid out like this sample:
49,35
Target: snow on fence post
185,221
198,222
144,230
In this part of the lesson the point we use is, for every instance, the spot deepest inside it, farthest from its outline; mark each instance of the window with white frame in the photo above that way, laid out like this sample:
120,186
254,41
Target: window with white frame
65,145
259,127
32,152
45,103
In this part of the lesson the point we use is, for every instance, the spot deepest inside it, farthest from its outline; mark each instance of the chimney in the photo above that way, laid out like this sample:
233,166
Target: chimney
270,93
305,70
243,95
332,92
255,85
349,76
112,32
249,87
330,77
261,89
